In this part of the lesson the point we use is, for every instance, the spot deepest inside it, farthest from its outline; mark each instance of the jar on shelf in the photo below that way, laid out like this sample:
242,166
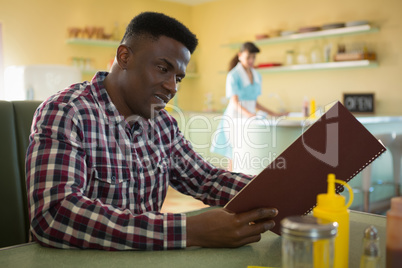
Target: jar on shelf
290,57
315,54
301,58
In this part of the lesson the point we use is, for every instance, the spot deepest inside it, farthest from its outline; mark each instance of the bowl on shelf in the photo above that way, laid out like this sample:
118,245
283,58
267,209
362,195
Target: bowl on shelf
356,23
286,33
261,36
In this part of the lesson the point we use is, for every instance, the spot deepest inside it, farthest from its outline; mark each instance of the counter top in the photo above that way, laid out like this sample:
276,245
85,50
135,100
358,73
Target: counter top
260,141
379,119
266,253
301,121
294,120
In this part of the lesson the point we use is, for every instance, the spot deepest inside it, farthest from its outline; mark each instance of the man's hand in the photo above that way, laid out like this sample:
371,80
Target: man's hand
222,228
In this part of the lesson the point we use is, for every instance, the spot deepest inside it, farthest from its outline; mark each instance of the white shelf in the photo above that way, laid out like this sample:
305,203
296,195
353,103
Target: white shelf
94,71
311,35
320,66
93,42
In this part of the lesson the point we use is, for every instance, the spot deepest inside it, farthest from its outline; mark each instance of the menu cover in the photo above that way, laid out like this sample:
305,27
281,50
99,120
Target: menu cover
336,143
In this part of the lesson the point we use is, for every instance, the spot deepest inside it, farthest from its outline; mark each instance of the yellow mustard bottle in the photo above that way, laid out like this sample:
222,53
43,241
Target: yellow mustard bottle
331,206
312,108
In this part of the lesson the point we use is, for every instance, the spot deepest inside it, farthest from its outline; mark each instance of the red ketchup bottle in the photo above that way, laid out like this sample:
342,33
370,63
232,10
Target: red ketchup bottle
394,234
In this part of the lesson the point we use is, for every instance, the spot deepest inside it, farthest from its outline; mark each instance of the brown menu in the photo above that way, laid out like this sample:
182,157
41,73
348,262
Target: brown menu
336,143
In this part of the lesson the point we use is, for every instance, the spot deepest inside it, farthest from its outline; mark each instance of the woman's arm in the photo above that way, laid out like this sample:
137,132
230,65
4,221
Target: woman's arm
263,108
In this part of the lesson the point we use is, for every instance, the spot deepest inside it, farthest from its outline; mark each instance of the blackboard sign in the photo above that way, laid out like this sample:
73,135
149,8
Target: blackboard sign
359,102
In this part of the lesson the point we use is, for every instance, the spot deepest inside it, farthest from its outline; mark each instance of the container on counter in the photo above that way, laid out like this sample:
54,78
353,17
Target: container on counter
394,234
331,206
371,255
307,242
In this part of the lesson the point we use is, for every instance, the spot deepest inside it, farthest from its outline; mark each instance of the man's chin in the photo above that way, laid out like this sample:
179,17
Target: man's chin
155,110
152,114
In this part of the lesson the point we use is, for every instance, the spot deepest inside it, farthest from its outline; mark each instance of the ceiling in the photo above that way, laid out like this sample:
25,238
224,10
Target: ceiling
190,2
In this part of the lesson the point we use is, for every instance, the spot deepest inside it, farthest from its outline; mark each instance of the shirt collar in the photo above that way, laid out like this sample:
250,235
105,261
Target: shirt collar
244,77
99,91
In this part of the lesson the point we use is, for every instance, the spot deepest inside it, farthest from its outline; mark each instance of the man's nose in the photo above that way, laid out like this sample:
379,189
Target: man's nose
171,85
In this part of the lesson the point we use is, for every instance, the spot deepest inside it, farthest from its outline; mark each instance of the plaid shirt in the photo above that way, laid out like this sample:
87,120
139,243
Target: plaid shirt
96,181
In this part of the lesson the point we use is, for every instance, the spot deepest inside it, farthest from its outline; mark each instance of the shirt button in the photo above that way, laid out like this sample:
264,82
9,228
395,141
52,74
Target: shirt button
113,178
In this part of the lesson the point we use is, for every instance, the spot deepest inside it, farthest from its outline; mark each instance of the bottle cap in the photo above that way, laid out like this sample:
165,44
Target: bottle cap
308,227
371,233
396,204
331,200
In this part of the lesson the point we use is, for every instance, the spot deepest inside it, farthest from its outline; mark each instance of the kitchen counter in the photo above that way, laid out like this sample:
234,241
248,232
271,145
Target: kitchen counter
265,139
300,121
258,143
265,253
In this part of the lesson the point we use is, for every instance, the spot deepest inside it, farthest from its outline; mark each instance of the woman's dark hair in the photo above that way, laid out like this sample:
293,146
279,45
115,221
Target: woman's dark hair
248,46
153,24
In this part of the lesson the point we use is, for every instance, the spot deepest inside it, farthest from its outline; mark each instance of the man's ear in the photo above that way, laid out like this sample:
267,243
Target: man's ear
122,56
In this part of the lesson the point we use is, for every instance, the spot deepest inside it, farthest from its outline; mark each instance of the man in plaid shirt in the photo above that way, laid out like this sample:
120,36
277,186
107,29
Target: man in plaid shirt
103,153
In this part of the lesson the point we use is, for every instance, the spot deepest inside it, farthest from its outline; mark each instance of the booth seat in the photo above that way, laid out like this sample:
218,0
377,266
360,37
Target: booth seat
15,123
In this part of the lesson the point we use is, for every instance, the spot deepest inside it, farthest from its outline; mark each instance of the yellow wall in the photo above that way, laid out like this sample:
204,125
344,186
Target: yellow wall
35,32
226,21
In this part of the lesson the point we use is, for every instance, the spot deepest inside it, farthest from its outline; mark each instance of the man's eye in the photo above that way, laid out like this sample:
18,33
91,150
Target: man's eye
162,68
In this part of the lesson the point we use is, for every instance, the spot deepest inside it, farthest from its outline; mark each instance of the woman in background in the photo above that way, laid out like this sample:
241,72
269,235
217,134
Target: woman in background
243,86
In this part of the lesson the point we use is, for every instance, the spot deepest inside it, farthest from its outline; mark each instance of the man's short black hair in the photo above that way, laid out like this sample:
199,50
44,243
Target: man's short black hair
157,24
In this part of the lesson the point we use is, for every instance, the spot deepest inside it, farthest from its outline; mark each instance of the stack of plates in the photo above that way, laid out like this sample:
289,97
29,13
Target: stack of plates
356,23
324,27
286,33
333,26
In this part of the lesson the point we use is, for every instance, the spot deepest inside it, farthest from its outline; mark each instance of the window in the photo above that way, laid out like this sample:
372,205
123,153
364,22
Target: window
2,94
